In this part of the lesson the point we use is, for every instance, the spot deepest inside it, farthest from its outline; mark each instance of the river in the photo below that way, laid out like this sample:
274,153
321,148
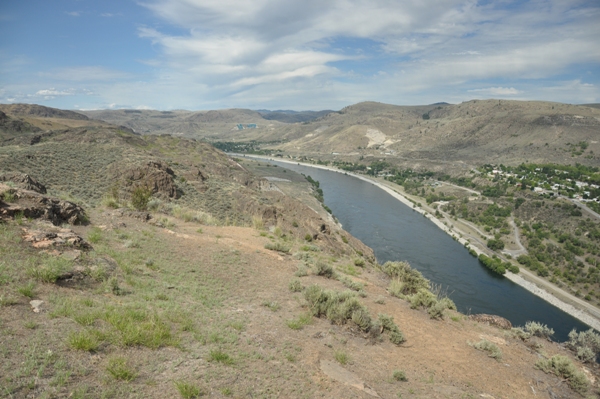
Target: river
395,232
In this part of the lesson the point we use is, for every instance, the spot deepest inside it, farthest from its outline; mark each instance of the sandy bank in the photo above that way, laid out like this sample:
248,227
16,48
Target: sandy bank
559,298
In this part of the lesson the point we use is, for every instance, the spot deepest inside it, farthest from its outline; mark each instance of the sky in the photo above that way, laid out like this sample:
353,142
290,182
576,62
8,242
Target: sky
296,54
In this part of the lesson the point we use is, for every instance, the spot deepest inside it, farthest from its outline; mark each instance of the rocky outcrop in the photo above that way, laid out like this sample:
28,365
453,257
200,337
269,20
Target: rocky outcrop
23,181
155,175
30,204
48,236
492,320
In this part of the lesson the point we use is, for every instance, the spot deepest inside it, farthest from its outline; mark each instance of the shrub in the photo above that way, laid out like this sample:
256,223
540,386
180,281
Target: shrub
295,285
586,344
495,245
409,280
278,246
337,307
387,322
538,329
140,197
564,368
51,269
490,347
324,269
399,375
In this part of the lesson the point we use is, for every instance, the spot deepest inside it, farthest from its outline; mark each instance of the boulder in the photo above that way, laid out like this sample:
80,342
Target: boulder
492,320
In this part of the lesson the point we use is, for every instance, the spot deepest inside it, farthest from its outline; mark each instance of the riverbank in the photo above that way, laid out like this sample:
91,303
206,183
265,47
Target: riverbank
568,303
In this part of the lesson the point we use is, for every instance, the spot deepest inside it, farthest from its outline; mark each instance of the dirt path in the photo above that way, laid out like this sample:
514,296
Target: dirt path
517,237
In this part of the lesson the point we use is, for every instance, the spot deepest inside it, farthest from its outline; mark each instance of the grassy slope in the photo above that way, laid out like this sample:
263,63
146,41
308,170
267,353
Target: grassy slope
199,308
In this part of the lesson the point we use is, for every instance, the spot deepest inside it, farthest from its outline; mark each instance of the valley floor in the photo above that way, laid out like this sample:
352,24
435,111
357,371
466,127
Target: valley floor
466,233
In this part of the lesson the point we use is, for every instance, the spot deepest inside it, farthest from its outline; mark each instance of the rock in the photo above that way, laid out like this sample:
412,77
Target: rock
492,320
35,305
31,204
23,181
156,175
46,237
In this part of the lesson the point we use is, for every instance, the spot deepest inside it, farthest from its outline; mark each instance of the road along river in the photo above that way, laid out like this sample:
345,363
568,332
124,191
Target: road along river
387,223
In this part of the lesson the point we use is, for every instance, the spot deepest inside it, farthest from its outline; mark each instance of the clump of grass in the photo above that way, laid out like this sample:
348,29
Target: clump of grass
27,289
489,347
295,285
299,322
341,357
217,355
187,390
7,300
95,235
120,370
84,340
50,269
399,375
273,306
409,280
564,368
257,222
9,196
278,246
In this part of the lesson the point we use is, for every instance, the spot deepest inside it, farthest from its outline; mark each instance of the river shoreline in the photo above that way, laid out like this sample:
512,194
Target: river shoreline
538,288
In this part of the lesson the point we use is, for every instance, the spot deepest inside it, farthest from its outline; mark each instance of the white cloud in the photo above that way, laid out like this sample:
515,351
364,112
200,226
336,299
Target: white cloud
497,91
53,92
73,13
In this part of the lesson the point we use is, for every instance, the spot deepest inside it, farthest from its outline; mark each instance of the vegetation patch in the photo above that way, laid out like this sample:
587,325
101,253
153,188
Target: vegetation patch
563,367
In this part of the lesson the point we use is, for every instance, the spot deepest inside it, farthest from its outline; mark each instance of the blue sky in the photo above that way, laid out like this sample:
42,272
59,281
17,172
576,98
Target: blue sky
290,54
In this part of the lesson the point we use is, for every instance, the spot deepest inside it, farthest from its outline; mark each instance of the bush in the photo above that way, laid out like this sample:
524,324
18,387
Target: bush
399,375
586,344
337,307
409,281
387,322
324,269
490,347
278,246
538,329
140,197
295,285
564,368
494,264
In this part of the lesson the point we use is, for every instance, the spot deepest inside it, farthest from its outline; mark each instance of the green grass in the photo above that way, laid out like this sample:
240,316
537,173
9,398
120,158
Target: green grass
399,375
27,289
119,369
48,269
273,306
341,357
299,322
84,340
217,355
187,390
95,235
564,368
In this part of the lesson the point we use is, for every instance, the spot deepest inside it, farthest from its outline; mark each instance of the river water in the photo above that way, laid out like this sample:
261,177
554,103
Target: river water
396,232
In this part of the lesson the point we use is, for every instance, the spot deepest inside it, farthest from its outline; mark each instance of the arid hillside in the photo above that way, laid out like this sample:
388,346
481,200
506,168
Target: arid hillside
471,133
157,267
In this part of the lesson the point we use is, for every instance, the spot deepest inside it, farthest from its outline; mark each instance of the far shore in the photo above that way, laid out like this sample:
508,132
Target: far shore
584,312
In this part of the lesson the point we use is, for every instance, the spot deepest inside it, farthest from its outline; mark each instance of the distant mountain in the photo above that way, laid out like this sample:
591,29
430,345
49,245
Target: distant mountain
40,111
289,116
474,132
